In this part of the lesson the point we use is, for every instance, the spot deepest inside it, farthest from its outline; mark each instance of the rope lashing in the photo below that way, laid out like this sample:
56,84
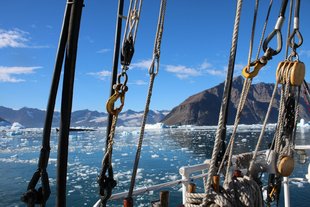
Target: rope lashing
40,196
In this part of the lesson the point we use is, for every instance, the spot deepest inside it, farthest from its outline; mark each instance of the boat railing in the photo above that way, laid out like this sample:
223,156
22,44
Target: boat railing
185,172
187,177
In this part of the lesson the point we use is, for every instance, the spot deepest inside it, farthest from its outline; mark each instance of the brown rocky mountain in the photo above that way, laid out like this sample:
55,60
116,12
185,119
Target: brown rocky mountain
203,108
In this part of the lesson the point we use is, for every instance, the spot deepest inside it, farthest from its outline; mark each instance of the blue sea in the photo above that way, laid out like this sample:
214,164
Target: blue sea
164,152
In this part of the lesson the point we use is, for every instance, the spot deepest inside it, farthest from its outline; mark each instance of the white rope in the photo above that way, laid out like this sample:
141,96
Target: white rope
153,73
259,141
244,93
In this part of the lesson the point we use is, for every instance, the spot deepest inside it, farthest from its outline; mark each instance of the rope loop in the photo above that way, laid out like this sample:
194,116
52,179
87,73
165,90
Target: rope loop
40,196
106,186
154,67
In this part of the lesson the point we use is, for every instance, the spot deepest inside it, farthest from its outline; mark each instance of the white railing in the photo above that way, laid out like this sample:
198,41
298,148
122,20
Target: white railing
186,178
186,172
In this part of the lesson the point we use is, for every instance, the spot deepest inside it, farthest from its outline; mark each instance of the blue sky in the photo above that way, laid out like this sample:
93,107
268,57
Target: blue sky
194,52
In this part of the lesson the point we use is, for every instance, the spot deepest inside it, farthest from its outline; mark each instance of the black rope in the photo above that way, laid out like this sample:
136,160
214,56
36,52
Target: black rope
66,102
41,195
283,8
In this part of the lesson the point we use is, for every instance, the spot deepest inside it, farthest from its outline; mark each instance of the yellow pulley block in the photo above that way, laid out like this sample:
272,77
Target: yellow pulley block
292,71
286,166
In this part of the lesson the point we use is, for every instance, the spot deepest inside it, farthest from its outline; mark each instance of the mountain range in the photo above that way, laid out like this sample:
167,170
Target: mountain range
203,108
34,118
199,109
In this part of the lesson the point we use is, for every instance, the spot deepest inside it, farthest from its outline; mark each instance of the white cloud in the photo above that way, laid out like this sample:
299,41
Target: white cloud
205,65
8,74
216,72
15,38
143,64
104,50
305,53
101,75
182,71
139,82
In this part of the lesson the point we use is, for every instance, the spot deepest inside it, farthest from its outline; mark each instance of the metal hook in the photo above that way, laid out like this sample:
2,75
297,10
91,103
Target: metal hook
257,66
119,93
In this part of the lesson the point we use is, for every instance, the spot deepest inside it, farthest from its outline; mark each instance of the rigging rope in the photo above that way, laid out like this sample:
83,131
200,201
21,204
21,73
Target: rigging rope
107,183
244,93
225,100
153,71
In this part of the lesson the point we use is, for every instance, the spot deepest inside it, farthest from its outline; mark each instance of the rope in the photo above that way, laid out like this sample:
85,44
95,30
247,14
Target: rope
153,73
132,22
245,91
263,130
138,152
221,124
241,192
111,140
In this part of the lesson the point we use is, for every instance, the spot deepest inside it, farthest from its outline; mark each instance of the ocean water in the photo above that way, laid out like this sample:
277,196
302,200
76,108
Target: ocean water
164,152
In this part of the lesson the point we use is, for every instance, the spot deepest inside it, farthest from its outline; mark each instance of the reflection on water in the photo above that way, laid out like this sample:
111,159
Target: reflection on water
164,152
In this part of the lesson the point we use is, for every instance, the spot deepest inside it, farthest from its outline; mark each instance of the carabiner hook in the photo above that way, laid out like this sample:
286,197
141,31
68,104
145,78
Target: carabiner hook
257,66
119,93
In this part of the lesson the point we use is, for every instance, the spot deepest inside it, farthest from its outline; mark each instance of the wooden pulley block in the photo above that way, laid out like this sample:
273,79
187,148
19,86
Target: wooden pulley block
292,71
286,166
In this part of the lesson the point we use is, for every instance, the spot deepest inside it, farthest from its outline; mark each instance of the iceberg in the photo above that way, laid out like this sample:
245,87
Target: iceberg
17,126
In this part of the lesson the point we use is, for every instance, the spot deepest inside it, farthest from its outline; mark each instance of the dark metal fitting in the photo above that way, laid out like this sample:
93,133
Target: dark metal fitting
122,74
127,51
